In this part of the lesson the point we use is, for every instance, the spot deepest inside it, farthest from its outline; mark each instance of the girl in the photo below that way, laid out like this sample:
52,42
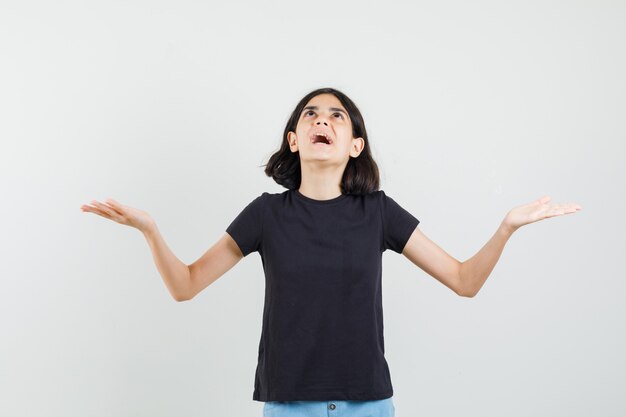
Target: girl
322,349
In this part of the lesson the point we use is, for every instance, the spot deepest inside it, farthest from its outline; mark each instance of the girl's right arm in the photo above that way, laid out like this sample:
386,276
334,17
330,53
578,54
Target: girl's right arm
218,259
174,272
183,281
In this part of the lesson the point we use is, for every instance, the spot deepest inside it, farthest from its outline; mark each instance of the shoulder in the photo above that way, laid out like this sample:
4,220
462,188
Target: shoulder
267,196
273,197
374,197
369,199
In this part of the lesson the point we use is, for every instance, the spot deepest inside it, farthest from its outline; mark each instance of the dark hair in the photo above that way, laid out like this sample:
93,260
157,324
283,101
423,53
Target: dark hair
361,174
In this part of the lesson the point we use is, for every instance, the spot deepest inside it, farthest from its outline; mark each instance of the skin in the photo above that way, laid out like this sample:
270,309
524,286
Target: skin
322,166
466,278
322,169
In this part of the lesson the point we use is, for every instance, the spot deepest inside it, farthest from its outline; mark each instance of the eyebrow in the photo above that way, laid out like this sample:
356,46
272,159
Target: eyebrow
330,108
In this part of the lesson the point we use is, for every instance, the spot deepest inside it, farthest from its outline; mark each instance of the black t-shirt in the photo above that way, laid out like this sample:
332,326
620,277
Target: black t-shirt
322,335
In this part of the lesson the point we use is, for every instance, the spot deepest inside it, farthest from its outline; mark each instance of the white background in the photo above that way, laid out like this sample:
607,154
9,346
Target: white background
472,108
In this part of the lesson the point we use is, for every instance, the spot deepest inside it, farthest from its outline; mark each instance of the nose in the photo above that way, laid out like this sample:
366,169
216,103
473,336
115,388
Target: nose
318,122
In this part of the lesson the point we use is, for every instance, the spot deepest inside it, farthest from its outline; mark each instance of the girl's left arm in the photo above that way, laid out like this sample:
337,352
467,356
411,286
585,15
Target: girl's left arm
475,271
467,278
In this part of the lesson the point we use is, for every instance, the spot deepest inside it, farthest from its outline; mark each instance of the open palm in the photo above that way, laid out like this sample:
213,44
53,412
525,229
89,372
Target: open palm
120,213
538,210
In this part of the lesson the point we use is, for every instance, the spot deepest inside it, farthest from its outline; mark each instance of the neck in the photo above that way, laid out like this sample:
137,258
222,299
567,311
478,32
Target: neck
321,183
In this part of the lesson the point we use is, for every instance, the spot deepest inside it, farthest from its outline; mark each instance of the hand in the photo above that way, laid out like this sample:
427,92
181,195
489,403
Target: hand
537,210
120,213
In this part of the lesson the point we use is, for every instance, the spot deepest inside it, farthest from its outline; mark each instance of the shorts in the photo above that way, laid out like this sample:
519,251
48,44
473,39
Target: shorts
348,408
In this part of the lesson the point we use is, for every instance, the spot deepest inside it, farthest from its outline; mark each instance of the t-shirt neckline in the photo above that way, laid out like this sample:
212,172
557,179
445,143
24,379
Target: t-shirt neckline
306,199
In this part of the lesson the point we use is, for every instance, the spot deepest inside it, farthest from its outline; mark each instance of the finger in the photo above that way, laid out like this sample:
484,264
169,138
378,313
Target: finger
93,209
104,208
562,206
87,207
114,205
541,201
555,211
567,210
112,202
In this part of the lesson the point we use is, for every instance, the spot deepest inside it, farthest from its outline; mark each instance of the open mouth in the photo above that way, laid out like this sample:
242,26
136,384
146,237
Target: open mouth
321,138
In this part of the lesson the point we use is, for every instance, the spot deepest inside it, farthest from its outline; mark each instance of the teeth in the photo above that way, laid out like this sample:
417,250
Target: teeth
325,135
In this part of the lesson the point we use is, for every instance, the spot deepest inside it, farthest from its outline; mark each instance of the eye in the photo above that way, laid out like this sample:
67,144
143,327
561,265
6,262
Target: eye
335,114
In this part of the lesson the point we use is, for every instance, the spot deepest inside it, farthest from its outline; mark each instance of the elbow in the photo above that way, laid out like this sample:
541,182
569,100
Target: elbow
463,291
181,297
184,293
178,298
467,294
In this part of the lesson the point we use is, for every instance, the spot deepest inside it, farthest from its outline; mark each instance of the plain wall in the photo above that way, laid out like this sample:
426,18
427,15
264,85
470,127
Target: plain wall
472,108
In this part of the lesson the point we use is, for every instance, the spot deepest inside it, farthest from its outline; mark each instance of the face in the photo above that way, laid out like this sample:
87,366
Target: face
326,115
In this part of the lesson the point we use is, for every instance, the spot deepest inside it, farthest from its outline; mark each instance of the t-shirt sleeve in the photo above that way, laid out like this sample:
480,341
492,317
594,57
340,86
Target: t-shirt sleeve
247,228
398,224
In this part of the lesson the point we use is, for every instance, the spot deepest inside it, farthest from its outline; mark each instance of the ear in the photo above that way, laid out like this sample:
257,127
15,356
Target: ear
357,147
291,139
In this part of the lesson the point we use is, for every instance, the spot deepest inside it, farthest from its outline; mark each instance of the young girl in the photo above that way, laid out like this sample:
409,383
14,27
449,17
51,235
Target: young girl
321,242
